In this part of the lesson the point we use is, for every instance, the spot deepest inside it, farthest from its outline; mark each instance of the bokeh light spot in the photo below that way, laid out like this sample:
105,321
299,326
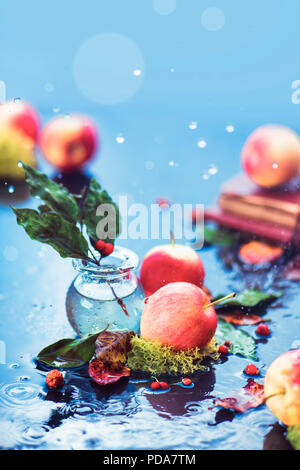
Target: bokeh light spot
103,68
213,19
164,7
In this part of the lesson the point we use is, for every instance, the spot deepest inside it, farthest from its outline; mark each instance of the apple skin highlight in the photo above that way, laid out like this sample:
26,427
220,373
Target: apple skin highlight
283,378
170,263
174,316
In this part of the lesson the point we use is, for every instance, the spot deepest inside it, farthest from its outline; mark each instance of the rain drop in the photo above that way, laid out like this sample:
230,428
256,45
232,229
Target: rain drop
193,125
275,165
229,128
201,143
11,189
120,139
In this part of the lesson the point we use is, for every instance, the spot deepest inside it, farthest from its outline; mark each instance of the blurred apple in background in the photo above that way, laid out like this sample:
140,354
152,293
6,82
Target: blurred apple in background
283,381
170,263
69,141
21,116
271,155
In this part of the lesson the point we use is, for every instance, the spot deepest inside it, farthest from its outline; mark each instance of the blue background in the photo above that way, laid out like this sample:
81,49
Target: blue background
239,75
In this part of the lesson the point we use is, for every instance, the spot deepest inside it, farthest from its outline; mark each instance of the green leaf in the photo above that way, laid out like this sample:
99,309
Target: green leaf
94,197
293,436
53,230
55,196
242,343
249,298
68,353
217,236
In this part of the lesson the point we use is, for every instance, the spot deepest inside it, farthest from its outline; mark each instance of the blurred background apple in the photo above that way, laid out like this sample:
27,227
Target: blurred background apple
68,142
21,116
271,155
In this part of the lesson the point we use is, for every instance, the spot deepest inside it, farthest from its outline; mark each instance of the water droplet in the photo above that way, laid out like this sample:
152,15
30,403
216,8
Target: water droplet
229,128
120,139
56,109
213,170
193,125
205,175
171,163
24,378
20,164
17,100
11,189
48,87
137,72
201,143
14,365
164,7
275,165
172,70
149,165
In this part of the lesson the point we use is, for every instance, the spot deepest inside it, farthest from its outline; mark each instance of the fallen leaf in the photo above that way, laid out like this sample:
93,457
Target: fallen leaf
250,396
242,343
111,347
103,375
68,352
242,319
249,298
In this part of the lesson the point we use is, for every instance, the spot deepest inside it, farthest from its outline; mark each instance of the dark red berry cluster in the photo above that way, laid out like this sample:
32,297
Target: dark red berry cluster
159,386
104,248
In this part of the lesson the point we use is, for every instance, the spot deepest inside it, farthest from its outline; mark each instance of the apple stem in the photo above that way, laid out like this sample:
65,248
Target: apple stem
172,238
230,296
273,395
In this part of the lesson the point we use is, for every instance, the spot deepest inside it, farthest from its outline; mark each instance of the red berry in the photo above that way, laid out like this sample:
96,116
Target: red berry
155,386
108,249
55,379
186,381
263,330
100,245
164,385
223,350
227,343
251,369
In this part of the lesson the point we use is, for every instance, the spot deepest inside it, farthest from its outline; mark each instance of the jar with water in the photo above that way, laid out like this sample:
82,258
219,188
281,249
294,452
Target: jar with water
106,294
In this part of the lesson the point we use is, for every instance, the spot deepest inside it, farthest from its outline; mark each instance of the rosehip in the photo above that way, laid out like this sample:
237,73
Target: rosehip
223,350
54,379
108,249
155,386
263,330
100,245
186,381
164,385
251,369
227,343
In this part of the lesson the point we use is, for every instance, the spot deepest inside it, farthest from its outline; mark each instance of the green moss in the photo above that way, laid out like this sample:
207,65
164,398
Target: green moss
294,436
151,357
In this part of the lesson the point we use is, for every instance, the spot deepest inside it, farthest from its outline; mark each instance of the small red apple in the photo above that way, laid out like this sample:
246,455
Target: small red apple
282,387
271,155
21,116
170,263
174,316
69,141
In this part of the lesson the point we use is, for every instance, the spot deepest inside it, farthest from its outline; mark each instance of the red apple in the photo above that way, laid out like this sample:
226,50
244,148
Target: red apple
174,316
271,155
283,381
21,116
170,263
69,141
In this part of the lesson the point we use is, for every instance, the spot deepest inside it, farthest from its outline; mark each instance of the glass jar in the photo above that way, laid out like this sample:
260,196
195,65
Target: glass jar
99,294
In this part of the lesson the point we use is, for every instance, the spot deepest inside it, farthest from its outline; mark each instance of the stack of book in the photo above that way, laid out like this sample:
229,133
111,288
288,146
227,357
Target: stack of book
268,213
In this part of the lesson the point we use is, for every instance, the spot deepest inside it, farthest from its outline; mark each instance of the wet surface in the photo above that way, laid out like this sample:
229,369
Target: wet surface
128,415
